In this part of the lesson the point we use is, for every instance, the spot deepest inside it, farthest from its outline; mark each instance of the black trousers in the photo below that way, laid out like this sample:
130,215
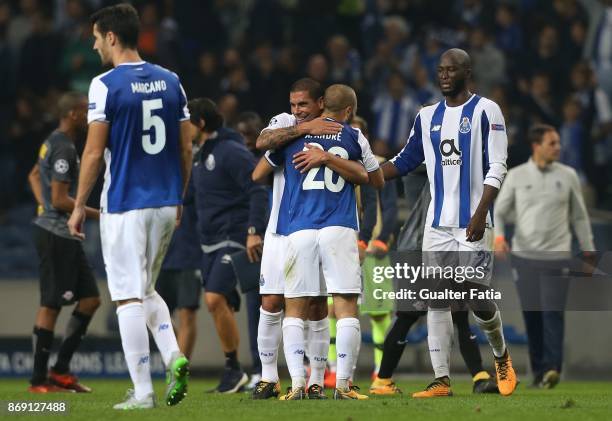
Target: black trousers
542,288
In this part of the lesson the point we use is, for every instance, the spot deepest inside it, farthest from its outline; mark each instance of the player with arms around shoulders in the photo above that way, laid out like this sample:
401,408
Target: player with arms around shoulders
464,145
318,214
139,124
306,100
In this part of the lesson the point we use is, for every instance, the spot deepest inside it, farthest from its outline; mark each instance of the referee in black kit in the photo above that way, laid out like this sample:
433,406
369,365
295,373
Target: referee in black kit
65,274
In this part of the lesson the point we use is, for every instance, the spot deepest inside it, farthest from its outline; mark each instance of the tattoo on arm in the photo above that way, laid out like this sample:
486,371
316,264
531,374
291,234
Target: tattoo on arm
272,139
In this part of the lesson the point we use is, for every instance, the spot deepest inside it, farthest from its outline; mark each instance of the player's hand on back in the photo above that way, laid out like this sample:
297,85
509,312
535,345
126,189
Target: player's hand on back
311,157
320,126
254,247
76,221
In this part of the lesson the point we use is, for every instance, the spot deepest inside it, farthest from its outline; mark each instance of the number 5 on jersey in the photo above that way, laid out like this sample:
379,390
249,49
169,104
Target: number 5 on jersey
149,122
311,184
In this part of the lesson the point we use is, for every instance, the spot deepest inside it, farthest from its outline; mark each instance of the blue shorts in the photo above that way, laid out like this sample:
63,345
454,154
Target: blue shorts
218,275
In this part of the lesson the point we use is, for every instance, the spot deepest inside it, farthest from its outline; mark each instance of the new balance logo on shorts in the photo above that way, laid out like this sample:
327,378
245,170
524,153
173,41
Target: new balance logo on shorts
143,360
163,326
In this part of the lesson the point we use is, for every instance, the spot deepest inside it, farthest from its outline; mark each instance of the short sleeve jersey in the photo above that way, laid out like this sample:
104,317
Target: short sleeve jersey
144,104
318,198
57,160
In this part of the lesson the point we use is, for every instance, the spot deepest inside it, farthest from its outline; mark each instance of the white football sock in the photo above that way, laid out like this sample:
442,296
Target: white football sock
352,378
439,339
318,347
494,331
135,342
269,333
160,324
293,340
348,336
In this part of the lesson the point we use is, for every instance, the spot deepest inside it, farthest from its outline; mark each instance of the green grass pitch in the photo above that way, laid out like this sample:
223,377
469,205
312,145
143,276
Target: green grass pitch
569,401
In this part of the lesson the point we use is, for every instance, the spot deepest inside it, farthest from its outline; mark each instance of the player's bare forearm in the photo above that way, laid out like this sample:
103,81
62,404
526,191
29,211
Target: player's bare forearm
35,184
389,170
489,194
60,200
376,179
91,161
476,228
262,171
186,153
352,171
275,138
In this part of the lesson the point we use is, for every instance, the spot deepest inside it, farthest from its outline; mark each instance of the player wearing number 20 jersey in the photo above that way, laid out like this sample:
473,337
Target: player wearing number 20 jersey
144,104
318,198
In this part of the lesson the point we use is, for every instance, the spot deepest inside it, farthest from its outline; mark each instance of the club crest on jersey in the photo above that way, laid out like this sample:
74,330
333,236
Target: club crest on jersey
465,125
210,162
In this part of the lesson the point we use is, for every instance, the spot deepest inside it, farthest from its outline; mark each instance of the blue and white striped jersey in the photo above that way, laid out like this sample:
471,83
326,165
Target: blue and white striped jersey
143,104
464,147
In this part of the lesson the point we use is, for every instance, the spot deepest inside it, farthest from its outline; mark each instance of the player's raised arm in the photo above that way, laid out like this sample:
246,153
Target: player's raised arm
275,138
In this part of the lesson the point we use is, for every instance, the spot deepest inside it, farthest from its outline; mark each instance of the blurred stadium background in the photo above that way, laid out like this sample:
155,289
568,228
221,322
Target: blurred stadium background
540,60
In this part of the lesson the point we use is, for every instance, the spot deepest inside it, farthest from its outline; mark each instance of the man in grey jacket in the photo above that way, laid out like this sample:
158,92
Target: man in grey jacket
546,199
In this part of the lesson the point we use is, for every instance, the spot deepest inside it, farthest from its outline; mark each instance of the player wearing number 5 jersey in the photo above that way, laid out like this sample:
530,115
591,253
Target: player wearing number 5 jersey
139,123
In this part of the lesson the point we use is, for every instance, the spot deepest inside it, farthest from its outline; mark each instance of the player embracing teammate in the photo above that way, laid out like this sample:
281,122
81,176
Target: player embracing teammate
317,198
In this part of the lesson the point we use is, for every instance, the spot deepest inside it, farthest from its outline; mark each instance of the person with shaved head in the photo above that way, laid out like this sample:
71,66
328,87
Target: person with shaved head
463,142
318,215
306,100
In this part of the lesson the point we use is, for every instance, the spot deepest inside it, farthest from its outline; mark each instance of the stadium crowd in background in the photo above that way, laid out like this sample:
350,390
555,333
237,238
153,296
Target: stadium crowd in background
541,61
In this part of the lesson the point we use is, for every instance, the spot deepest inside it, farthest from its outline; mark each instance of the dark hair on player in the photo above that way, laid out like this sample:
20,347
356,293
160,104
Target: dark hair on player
314,88
537,131
68,102
205,109
122,20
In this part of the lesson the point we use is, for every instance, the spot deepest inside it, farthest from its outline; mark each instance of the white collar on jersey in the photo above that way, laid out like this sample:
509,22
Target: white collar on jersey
132,63
461,105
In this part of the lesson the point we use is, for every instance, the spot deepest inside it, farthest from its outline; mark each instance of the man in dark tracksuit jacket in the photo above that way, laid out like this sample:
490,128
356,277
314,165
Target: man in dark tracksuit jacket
231,212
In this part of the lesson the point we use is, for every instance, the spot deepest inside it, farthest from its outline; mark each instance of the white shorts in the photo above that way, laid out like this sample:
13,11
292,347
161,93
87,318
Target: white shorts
335,250
134,244
445,247
272,275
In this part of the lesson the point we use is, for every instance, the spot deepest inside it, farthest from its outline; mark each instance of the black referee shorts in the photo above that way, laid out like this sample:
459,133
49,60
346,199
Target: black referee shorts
65,273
